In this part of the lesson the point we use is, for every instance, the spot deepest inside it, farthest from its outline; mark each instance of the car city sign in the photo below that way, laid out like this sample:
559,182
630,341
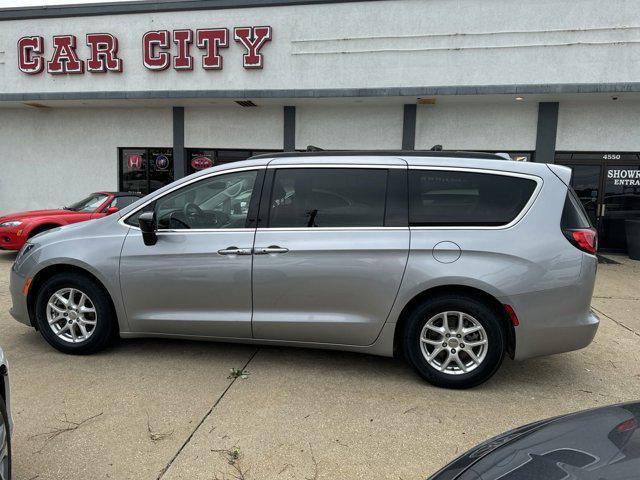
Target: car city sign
157,55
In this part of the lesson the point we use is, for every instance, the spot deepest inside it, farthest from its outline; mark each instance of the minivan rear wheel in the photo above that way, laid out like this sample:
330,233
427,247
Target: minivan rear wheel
454,341
74,314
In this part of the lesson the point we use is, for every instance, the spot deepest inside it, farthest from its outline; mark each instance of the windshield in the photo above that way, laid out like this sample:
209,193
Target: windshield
88,204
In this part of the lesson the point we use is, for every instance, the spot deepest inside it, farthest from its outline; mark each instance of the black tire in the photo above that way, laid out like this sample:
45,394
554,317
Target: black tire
484,314
106,322
4,420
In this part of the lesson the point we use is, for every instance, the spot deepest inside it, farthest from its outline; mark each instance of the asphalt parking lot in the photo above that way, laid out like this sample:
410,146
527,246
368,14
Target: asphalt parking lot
148,409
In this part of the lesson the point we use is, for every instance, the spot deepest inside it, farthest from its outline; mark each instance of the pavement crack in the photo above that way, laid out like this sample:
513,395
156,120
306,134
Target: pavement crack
204,418
617,322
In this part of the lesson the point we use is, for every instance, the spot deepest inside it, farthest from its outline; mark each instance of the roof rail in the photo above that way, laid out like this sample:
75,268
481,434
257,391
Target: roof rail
384,153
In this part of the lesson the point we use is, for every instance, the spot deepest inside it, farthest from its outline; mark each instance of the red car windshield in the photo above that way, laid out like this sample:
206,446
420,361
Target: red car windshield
88,204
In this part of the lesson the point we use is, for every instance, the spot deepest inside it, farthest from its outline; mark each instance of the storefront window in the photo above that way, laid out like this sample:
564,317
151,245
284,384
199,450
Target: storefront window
160,168
201,158
145,170
228,156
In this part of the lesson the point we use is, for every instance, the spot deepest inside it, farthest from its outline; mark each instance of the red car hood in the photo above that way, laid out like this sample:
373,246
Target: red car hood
35,213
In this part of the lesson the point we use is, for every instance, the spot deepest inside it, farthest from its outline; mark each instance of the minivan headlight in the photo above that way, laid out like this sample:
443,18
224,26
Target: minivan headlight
12,223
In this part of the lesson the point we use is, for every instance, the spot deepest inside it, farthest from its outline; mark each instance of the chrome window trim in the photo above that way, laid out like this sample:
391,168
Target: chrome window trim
122,220
534,195
327,229
202,230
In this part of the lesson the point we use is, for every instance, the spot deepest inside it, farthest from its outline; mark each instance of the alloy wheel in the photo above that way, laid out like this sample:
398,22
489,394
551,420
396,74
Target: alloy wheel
454,342
71,315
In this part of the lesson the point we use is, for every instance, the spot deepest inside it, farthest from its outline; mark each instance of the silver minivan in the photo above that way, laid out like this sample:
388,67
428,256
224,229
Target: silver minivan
452,258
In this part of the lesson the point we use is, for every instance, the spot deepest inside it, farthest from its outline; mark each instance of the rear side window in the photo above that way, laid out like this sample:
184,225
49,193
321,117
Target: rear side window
328,197
573,214
456,198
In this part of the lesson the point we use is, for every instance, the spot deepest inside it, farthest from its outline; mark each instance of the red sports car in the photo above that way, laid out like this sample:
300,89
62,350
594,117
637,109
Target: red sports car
16,228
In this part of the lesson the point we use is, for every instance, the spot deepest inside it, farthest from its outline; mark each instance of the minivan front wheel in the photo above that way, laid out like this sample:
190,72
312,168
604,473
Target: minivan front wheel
5,443
454,341
74,314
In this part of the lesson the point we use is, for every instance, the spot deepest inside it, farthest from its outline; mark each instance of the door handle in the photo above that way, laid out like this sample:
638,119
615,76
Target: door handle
602,208
235,251
271,249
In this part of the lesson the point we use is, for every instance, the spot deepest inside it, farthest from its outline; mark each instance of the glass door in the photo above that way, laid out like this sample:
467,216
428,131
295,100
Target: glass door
160,168
145,170
586,182
608,185
620,201
133,170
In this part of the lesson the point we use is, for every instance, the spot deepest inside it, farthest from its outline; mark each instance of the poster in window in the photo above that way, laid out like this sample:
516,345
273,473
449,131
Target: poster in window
162,163
201,159
134,162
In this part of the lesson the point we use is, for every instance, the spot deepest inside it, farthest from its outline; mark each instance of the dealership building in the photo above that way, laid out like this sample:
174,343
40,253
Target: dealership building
132,95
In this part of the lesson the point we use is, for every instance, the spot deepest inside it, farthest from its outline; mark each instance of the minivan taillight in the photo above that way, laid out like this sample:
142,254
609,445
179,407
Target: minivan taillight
586,239
576,226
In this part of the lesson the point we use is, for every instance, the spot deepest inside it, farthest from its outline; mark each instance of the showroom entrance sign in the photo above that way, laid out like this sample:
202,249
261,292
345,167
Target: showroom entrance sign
624,177
161,49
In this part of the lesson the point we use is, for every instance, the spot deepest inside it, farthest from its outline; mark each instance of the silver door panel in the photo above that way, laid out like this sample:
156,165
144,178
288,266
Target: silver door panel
331,286
182,285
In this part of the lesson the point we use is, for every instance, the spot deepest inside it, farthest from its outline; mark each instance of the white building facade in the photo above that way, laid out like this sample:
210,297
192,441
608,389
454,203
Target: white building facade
129,96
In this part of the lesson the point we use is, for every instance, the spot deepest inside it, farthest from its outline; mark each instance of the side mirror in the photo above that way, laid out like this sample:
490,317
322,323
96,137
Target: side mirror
148,227
111,210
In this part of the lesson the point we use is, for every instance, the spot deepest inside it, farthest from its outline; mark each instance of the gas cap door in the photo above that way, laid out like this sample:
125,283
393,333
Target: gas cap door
446,252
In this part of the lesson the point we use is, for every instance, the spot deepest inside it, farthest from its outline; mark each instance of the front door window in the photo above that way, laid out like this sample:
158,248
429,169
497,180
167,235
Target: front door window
218,202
